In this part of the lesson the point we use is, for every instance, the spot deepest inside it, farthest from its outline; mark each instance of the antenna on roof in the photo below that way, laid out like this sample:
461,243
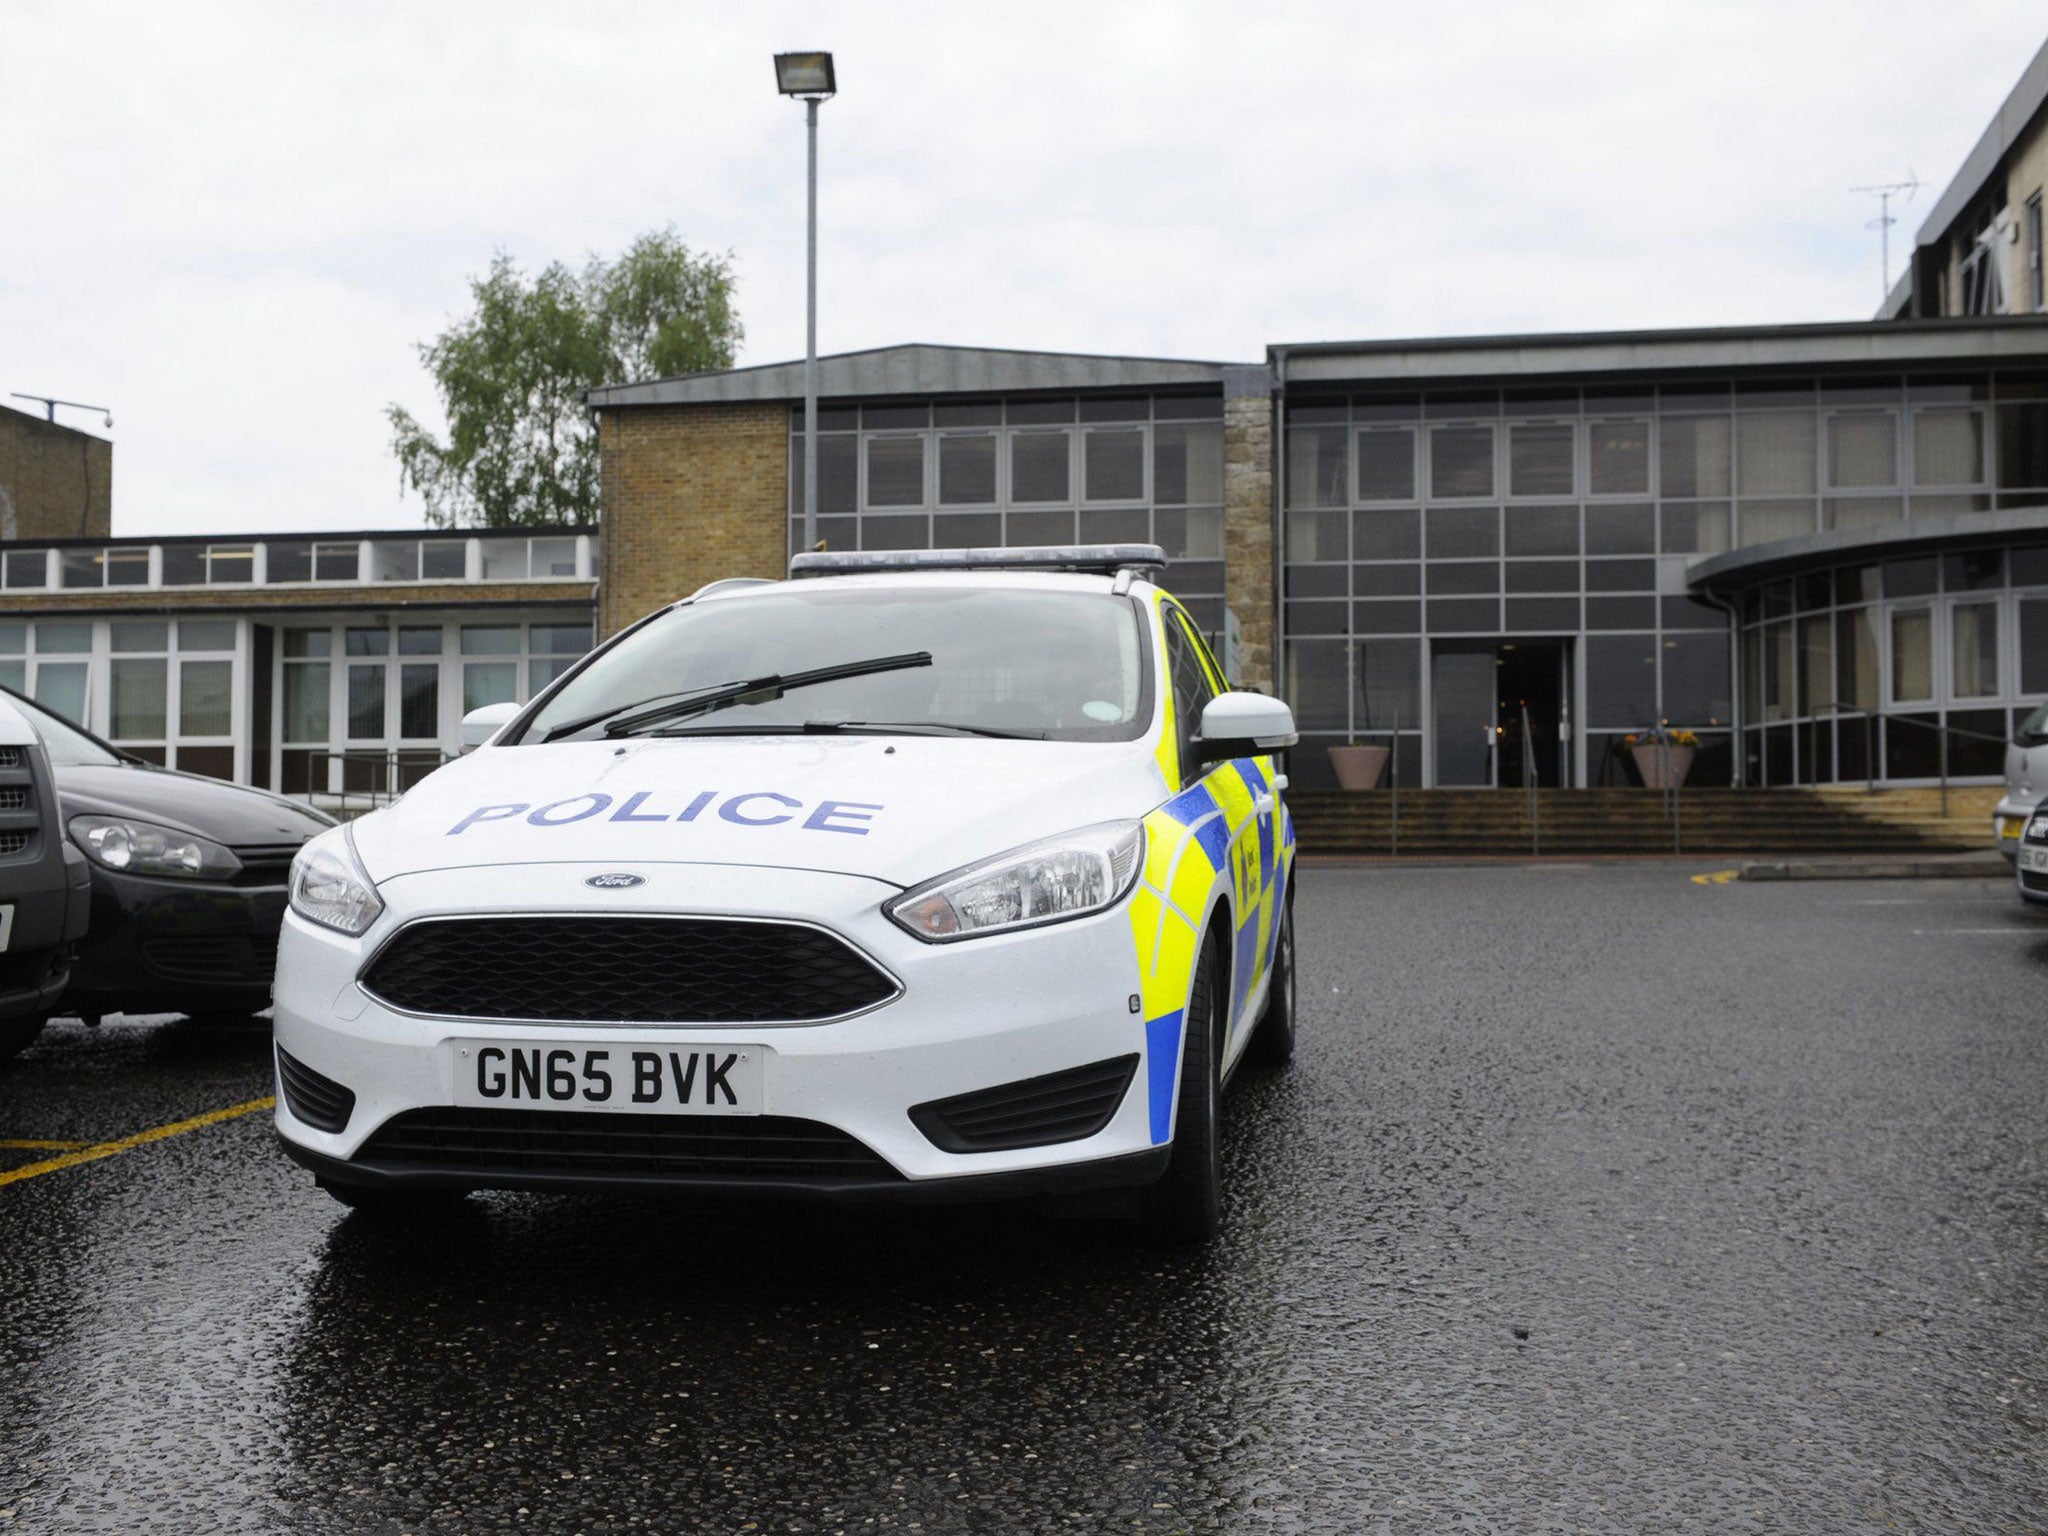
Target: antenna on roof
1884,192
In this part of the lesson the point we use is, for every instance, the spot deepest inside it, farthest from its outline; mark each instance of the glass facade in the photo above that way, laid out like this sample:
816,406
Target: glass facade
1424,525
444,558
967,474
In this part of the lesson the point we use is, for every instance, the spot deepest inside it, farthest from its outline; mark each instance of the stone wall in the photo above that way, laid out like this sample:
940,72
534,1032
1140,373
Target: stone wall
1248,581
692,493
55,482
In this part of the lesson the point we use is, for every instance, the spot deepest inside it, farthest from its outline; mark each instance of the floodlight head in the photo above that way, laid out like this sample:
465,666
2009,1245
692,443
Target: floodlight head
808,75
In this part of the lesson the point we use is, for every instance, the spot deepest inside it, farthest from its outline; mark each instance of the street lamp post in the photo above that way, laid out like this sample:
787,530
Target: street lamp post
809,77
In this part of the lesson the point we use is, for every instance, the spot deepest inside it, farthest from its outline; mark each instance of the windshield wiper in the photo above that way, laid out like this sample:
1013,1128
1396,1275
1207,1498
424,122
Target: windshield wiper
626,719
920,728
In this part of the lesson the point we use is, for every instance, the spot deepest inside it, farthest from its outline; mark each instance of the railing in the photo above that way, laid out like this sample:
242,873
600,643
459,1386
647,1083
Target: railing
1836,708
1530,785
370,777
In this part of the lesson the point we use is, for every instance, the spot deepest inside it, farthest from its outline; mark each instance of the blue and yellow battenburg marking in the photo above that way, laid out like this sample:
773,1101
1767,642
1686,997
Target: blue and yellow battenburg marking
1211,829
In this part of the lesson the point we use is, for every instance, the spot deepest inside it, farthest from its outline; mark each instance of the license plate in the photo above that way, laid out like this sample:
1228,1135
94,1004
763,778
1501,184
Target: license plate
2034,860
6,923
657,1079
2010,826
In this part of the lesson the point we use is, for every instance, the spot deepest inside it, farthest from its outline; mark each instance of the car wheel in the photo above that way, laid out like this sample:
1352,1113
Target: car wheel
1272,1042
1186,1205
17,1035
396,1204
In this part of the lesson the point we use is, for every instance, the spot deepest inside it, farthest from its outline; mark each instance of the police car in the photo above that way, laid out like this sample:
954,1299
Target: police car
943,874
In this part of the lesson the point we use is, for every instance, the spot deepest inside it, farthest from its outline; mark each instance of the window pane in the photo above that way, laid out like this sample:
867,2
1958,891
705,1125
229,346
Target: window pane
1856,657
1774,453
1389,685
78,568
553,557
504,559
13,638
67,637
1759,522
367,642
204,702
1315,536
444,560
1115,464
306,642
1912,655
127,567
336,562
231,565
569,640
305,702
1621,680
1777,660
136,709
1694,456
1974,654
61,686
2034,646
489,682
1948,448
967,470
1386,464
1038,466
1696,688
1863,450
1618,457
1316,683
289,560
419,701
1187,464
895,472
1540,460
184,565
1543,530
1461,461
206,634
490,640
419,640
1463,533
30,569
1816,665
2023,445
14,674
138,635
395,560
366,702
1316,470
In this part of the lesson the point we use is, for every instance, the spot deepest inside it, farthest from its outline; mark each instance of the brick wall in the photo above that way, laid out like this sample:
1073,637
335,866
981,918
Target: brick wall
692,493
55,483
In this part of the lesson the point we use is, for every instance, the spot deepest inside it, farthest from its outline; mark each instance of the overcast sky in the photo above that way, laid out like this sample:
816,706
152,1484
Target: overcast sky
231,223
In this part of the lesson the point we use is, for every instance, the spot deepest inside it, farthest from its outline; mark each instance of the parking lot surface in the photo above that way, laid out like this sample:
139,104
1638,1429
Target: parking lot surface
1598,1199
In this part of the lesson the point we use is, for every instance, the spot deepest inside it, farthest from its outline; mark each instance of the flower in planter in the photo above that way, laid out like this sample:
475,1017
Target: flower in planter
1651,738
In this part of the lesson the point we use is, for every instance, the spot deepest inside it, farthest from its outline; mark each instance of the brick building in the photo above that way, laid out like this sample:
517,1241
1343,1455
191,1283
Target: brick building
55,481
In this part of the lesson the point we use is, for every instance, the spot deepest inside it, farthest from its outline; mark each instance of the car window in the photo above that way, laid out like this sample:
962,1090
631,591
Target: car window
1063,665
68,746
1192,688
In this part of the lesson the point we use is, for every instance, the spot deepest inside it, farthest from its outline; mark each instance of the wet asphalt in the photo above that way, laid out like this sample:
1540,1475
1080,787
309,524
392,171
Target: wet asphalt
1596,1200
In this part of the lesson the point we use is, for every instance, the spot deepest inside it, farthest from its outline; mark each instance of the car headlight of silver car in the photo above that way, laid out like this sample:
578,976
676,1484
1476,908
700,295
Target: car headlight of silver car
330,887
1043,882
144,848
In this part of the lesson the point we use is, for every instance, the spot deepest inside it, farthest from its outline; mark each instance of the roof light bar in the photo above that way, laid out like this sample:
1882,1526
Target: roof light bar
1092,559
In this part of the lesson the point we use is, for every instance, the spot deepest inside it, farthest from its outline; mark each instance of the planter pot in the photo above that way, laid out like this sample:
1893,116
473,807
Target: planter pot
1654,762
1358,767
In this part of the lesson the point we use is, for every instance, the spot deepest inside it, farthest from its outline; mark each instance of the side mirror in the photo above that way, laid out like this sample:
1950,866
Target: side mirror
1244,725
484,722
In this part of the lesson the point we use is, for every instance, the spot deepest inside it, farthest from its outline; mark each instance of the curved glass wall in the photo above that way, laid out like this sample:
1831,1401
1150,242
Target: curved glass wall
1899,669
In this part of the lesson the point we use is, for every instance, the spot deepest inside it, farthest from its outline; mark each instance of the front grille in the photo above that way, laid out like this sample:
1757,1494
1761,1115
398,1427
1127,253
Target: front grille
264,866
2032,880
213,956
630,970
319,1101
1037,1112
767,1149
10,757
13,797
13,842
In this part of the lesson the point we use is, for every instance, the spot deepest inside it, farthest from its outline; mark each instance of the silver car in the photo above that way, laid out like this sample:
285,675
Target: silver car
2026,781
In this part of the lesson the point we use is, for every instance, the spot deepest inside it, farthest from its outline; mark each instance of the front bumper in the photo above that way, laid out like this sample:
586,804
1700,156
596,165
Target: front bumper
970,1016
177,946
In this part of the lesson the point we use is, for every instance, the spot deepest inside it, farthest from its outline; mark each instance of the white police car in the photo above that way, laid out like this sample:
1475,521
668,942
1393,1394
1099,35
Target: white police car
945,873
2030,859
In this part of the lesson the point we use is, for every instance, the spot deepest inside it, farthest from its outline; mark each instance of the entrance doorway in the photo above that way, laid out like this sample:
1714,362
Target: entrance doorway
1481,696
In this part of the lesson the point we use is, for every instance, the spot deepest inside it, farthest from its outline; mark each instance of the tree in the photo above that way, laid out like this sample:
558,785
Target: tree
511,375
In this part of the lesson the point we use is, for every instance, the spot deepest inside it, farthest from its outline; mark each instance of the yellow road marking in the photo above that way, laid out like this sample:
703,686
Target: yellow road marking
22,1145
102,1149
1718,877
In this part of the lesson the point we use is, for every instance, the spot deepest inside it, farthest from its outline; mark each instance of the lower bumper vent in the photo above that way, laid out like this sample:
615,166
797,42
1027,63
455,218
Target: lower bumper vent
2033,881
552,1144
319,1101
1037,1112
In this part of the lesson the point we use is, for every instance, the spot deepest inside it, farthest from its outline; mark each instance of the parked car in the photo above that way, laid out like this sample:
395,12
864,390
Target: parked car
2026,780
930,876
188,879
45,888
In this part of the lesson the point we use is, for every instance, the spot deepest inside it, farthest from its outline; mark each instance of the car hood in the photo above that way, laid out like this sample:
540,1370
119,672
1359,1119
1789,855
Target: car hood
895,808
232,814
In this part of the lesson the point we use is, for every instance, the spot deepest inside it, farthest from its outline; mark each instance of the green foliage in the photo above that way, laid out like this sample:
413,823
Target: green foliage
521,447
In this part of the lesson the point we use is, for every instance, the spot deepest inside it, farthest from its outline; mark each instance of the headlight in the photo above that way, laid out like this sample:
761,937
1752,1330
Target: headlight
144,848
1043,882
329,886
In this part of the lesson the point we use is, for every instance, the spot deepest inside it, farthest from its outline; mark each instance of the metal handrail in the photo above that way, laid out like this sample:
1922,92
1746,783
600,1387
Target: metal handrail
1838,707
386,765
1530,786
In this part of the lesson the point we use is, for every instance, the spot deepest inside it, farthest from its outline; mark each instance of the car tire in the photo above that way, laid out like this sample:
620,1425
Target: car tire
17,1035
1186,1205
1272,1042
389,1204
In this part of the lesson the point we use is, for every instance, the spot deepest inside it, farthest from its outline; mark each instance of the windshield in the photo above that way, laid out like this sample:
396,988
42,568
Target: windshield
1062,666
68,746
